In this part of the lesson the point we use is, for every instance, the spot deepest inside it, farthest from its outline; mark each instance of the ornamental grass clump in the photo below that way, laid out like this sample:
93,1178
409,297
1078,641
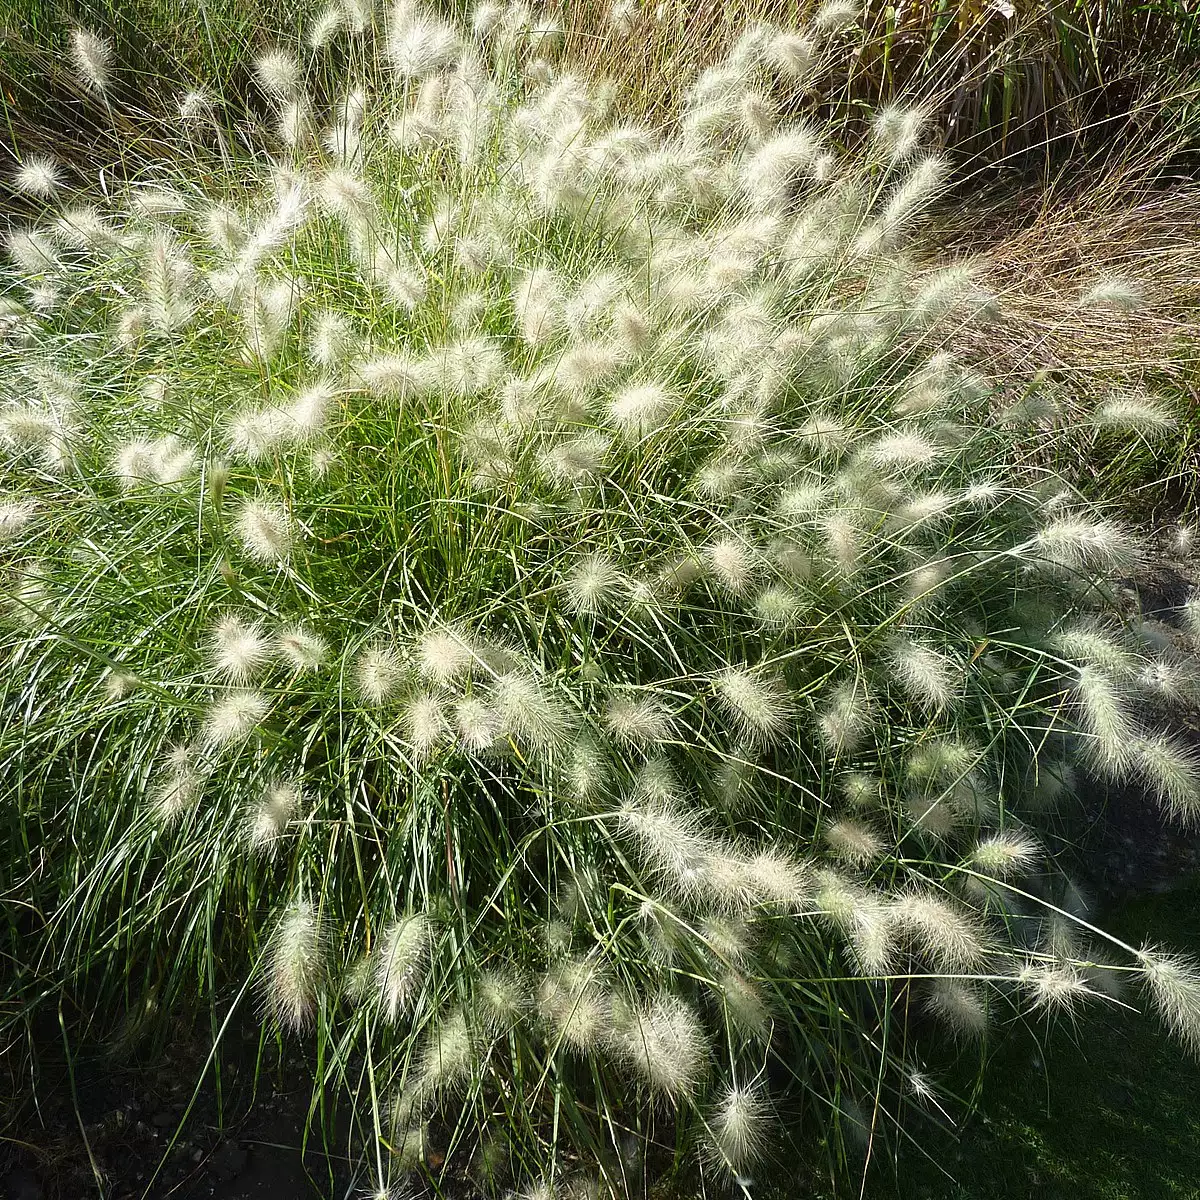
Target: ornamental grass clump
541,595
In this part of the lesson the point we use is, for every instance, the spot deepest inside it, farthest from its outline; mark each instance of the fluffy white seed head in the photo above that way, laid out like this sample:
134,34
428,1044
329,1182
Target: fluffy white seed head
853,842
401,960
1173,981
424,723
38,176
266,531
278,74
638,720
1136,414
270,815
418,44
296,967
239,649
738,1127
1103,716
233,717
444,655
1172,770
1005,855
1075,544
939,929
959,1005
15,516
91,55
379,674
642,409
927,675
1113,292
733,563
758,702
533,711
302,650
576,1007
665,1043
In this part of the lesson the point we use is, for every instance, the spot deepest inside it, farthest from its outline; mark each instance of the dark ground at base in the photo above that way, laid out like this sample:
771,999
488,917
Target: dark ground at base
1106,1109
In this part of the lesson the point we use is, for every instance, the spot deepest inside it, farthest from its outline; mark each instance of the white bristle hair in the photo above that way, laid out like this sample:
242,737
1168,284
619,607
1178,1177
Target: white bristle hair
92,56
296,967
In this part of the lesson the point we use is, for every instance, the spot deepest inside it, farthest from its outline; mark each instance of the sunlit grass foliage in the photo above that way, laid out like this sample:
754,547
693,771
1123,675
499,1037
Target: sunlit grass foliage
542,595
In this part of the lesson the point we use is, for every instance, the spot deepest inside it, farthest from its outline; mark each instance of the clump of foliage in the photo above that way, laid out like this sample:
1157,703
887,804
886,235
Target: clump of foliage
542,595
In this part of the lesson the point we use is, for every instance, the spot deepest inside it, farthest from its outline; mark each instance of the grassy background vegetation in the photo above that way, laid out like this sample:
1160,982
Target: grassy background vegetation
1103,1110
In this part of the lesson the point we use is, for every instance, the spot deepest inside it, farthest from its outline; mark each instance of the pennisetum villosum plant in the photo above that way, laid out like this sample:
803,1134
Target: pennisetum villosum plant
545,595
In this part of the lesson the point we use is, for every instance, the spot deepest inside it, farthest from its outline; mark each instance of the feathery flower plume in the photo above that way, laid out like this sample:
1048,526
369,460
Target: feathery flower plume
577,460
759,703
945,933
38,176
1121,294
485,19
448,1058
1172,769
669,838
738,1127
239,650
593,585
732,561
928,676
178,787
325,27
296,969
332,340
538,305
904,450
665,1043
91,55
503,999
1006,854
165,461
1054,986
478,725
638,722
444,655
234,717
772,174
1102,715
278,74
379,674
574,1004
780,607
642,409
1076,544
1092,646
793,55
532,711
265,530
15,515
196,107
303,650
424,723
401,960
270,816
836,16
418,44
32,251
962,1006
896,130
845,719
1136,414
853,842
1173,981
